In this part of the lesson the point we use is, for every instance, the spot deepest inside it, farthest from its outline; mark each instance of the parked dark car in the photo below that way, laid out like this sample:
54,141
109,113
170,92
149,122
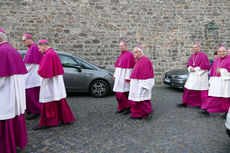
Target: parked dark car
83,76
177,78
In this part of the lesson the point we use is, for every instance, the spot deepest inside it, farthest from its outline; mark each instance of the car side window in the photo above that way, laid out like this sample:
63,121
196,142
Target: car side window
83,64
67,61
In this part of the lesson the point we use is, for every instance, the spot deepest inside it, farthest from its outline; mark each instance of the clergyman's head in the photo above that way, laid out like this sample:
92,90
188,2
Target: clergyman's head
27,40
137,52
196,47
43,45
222,52
123,46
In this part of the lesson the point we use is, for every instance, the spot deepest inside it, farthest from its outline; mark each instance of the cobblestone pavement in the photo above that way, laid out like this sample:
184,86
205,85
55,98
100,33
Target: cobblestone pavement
98,129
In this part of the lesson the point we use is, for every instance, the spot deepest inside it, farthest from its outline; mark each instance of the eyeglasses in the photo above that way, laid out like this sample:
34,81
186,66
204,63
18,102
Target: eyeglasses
223,51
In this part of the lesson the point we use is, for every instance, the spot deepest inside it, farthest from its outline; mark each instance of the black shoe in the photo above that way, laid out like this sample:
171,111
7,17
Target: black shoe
120,111
148,116
204,111
18,150
224,116
65,123
136,117
32,116
182,105
26,114
126,111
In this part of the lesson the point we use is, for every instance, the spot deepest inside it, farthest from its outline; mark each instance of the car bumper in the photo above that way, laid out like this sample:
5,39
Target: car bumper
176,83
111,83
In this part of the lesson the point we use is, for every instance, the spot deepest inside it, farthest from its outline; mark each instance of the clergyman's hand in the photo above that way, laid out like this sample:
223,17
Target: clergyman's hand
192,70
218,70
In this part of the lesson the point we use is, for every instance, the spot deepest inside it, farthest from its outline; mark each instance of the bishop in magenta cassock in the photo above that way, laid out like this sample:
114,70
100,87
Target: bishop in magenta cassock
13,132
141,84
124,66
54,107
196,86
219,90
33,80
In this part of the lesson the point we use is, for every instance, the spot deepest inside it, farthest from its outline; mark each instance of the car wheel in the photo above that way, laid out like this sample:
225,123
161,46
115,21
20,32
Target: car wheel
99,88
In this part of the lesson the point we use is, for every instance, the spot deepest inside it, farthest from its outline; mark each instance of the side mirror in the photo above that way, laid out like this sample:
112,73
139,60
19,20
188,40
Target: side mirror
78,67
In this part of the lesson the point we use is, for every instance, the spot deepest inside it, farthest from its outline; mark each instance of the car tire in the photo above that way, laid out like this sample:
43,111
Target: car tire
99,88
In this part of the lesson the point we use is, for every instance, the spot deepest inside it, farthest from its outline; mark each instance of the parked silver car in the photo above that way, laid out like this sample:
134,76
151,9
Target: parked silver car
83,76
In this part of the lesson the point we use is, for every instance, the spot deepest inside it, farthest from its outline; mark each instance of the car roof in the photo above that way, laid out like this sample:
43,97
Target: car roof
58,52
69,54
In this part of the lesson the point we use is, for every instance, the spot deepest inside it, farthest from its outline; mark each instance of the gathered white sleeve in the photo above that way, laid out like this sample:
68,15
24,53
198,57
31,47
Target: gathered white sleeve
52,89
12,93
32,77
225,75
197,80
189,68
148,83
128,73
140,90
120,75
199,71
117,71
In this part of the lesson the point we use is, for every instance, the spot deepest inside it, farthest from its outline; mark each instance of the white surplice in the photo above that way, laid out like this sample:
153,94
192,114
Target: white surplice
197,80
52,89
12,94
220,86
32,77
140,90
120,74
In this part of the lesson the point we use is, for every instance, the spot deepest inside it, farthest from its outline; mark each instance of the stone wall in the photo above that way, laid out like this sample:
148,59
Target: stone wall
92,29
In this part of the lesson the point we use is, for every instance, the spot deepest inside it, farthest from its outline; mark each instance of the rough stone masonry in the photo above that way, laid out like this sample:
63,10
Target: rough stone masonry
92,29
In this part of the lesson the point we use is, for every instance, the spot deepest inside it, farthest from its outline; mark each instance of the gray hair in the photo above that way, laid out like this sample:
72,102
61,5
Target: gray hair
139,49
3,36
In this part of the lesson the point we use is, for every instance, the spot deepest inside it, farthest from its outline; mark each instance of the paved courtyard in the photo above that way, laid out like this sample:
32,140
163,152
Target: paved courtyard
98,129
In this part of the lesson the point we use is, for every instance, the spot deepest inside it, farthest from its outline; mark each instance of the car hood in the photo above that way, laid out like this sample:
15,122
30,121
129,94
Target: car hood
178,72
108,71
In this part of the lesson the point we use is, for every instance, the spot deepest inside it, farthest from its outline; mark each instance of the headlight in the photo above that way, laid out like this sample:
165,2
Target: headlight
183,76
